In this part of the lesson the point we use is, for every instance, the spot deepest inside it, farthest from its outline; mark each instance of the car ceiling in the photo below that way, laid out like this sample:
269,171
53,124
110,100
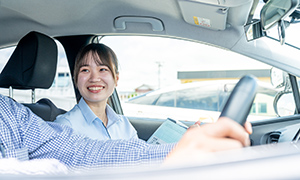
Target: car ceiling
65,17
81,17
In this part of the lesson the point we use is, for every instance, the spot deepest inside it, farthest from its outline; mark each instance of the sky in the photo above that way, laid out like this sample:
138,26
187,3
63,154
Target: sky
173,55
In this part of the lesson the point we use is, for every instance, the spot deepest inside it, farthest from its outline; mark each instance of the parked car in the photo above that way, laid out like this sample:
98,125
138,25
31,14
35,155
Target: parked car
164,43
197,101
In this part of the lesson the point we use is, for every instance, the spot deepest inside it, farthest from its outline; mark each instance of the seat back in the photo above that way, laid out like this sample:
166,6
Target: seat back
33,65
45,109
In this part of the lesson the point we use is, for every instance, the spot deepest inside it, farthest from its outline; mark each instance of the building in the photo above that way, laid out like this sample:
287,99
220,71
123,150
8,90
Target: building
143,89
191,76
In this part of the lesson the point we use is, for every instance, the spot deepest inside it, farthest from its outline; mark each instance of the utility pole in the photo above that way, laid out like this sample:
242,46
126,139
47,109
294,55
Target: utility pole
158,72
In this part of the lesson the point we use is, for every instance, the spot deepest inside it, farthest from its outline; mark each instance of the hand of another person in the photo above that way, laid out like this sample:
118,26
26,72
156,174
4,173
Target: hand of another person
225,134
247,126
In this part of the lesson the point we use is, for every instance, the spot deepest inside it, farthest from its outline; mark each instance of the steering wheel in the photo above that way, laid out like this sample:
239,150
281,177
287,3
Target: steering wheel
240,101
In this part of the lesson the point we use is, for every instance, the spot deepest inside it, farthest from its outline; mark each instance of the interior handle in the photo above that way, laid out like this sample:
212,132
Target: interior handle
120,22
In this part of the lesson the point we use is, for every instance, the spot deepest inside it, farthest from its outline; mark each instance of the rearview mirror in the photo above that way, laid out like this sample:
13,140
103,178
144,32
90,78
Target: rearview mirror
272,13
275,10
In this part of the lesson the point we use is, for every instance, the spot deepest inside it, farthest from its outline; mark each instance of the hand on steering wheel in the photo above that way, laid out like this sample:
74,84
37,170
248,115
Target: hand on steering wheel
222,135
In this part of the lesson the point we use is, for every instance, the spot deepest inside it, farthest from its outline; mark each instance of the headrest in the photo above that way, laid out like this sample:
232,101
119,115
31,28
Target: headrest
32,64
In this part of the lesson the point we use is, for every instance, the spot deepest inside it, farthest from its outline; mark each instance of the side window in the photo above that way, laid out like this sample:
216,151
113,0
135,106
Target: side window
144,99
61,93
164,65
166,99
5,55
198,98
62,80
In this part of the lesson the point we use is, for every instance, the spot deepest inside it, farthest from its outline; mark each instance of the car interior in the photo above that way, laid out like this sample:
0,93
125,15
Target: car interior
33,63
38,74
40,61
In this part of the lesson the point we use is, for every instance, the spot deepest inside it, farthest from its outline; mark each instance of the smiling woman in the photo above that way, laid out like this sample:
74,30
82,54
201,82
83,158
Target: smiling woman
96,76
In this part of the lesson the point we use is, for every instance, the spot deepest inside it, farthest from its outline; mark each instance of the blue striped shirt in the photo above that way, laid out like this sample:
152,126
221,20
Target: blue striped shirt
26,136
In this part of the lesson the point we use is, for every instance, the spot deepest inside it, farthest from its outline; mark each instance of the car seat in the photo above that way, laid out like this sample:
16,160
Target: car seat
33,65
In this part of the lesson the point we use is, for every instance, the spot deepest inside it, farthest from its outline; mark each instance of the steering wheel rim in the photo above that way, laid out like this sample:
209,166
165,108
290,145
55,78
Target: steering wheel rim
239,102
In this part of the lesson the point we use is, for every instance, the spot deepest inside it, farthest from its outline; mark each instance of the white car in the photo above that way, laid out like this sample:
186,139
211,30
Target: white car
197,101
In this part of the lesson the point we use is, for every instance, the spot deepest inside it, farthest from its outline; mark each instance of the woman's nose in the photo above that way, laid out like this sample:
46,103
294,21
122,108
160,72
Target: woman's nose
95,77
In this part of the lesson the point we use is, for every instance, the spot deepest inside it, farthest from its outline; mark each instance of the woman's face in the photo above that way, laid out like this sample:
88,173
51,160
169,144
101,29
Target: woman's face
95,83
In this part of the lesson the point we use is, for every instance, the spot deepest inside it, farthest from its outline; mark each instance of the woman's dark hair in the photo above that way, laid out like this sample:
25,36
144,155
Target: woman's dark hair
101,54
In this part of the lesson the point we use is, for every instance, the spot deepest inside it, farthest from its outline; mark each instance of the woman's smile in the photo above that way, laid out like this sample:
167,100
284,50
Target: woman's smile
95,88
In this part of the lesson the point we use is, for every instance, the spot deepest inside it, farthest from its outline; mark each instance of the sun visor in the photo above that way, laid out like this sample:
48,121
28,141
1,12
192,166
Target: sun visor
204,15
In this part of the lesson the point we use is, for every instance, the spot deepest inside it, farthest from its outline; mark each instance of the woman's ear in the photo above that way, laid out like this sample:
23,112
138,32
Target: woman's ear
117,79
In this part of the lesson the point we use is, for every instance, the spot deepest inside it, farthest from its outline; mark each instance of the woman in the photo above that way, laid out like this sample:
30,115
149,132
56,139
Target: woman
96,76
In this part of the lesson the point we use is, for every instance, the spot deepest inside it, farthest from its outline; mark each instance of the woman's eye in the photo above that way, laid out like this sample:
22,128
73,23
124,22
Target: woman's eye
84,70
103,69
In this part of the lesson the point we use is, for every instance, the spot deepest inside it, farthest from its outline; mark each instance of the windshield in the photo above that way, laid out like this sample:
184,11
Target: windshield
187,81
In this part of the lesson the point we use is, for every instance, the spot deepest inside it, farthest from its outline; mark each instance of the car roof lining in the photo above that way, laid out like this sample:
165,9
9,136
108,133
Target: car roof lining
55,16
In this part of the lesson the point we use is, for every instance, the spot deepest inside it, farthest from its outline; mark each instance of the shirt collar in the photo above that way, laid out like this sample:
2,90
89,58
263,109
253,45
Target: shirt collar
90,116
86,111
111,116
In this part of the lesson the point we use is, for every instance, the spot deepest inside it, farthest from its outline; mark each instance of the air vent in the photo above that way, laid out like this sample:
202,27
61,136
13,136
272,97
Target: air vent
273,137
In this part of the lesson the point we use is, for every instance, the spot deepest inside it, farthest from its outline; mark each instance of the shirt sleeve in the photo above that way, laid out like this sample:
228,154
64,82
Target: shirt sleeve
82,152
51,140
